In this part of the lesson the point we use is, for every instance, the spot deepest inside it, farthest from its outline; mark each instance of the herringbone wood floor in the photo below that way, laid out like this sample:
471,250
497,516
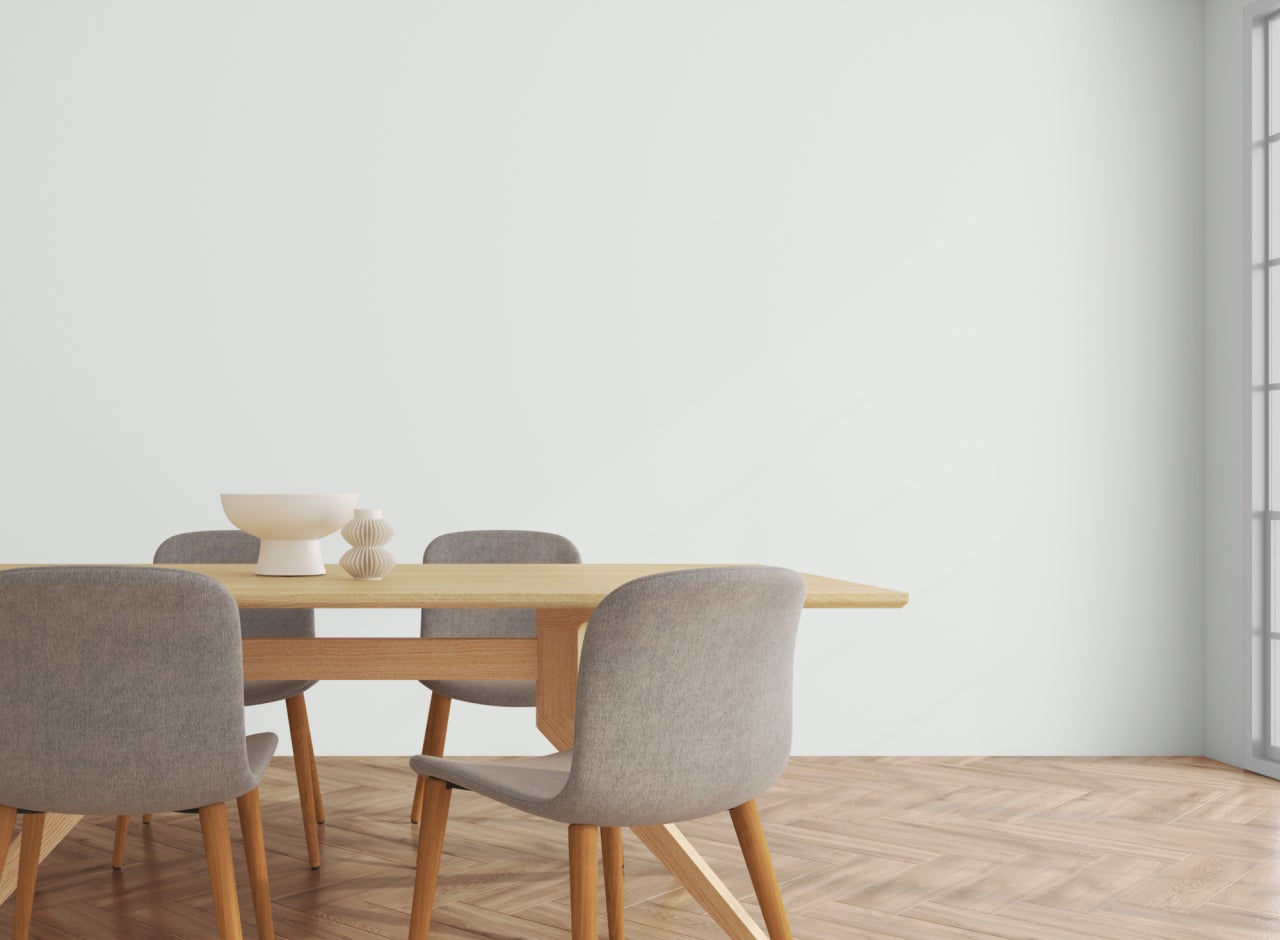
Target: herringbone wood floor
1026,848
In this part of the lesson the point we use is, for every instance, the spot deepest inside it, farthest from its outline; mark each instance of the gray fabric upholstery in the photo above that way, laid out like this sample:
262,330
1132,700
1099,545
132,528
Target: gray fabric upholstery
491,547
683,709
121,691
233,547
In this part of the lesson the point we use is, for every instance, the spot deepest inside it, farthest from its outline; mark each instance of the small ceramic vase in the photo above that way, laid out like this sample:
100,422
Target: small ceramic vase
367,532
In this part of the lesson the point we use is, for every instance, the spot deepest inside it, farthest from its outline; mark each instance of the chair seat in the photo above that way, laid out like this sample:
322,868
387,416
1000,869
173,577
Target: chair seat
261,748
500,692
521,783
262,691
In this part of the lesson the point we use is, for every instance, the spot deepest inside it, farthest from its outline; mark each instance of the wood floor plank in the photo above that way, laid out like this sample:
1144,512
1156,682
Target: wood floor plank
957,848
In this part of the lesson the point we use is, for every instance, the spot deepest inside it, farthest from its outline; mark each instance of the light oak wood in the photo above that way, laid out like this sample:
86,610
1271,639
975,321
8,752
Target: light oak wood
432,746
672,849
222,874
538,586
28,865
611,849
56,827
8,815
430,849
746,822
146,819
875,848
406,658
316,795
560,635
122,836
583,886
249,808
300,735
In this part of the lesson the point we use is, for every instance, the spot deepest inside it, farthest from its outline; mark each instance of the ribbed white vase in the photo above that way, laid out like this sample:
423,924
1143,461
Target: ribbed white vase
367,532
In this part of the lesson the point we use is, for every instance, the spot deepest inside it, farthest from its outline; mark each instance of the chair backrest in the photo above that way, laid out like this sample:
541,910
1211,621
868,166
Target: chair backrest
492,547
233,547
121,691
684,694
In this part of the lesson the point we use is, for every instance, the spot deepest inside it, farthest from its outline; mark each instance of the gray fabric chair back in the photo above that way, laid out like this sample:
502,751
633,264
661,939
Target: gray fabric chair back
684,694
120,690
492,547
233,547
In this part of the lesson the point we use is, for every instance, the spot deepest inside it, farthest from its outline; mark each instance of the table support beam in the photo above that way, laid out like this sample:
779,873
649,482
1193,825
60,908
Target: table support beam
390,658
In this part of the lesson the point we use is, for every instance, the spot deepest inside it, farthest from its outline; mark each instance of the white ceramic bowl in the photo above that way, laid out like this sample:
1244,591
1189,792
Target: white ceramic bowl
290,526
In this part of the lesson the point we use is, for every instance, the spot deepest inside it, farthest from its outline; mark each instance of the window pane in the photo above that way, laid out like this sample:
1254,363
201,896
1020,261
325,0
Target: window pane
1258,90
1275,699
1273,443
1258,235
1270,344
1273,79
1273,200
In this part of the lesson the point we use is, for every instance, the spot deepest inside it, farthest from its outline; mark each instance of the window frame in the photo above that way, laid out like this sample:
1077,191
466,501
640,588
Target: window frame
1262,373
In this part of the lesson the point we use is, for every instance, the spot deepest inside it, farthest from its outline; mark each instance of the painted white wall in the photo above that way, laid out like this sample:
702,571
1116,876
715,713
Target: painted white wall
1225,380
905,293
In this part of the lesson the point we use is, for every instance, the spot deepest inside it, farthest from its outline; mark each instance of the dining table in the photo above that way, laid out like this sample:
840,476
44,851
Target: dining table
563,597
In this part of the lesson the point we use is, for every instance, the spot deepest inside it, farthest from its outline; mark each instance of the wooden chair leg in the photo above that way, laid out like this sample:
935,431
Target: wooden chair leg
583,843
222,873
746,821
432,746
8,815
28,863
146,819
315,788
122,836
255,855
430,848
300,733
611,846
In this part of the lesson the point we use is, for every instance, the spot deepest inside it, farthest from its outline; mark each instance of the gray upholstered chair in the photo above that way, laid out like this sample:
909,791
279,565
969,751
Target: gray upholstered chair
231,547
121,690
683,709
483,547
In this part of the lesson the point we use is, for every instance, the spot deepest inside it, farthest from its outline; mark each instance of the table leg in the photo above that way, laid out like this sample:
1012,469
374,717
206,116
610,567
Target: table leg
56,827
560,633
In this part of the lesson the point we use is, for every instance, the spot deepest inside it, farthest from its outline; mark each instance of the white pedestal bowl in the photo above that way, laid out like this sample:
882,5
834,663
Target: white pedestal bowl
290,526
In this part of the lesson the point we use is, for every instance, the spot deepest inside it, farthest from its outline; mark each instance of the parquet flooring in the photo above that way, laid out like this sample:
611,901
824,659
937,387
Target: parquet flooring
916,849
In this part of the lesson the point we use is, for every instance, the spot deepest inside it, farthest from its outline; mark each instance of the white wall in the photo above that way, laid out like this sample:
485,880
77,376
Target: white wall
1225,379
904,293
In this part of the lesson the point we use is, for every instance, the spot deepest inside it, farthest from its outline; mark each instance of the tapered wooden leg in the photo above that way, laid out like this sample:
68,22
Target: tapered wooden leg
611,845
432,745
146,819
8,815
28,864
122,836
255,856
300,733
222,873
583,842
56,827
315,788
746,821
430,848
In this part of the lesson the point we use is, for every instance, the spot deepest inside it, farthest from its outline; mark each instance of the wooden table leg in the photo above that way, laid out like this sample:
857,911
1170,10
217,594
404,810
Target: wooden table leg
56,827
560,633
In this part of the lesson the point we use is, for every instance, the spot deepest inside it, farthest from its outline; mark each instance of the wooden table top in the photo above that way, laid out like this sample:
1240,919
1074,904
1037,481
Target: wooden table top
542,586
